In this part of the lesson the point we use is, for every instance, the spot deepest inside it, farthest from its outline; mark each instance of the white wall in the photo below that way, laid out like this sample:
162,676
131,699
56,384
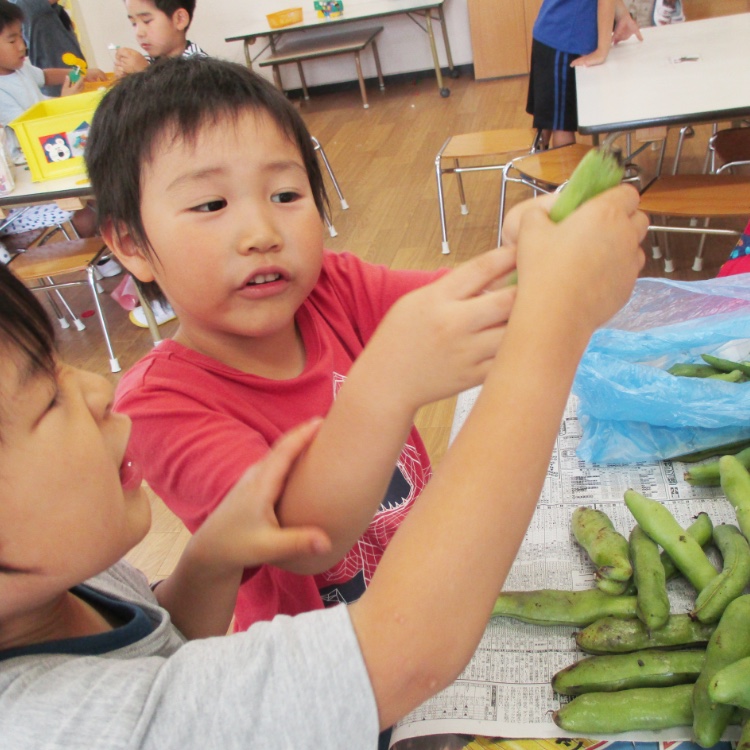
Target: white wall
403,46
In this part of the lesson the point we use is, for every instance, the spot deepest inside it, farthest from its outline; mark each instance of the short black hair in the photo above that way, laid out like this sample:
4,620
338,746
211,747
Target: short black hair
9,13
171,6
25,328
184,94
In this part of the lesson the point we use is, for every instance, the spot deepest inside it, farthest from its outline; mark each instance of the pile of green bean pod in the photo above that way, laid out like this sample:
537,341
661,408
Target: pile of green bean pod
650,668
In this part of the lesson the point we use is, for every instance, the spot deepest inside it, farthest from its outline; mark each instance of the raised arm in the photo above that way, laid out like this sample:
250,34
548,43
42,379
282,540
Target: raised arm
429,601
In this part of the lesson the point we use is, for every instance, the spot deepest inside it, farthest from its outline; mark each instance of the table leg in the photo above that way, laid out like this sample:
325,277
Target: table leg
436,60
361,78
248,57
149,313
446,42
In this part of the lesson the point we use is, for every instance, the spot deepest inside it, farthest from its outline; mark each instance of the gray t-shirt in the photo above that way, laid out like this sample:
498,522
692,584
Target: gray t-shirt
295,682
19,91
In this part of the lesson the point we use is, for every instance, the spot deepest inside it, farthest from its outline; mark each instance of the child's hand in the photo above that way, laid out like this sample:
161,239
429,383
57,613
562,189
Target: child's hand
597,57
441,339
95,75
625,27
243,531
128,61
586,265
69,88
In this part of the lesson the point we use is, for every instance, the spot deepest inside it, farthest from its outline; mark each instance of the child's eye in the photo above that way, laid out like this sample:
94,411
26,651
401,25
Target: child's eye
210,206
288,196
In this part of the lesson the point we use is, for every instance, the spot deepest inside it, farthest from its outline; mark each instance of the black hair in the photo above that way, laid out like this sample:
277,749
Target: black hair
24,325
171,6
183,95
9,13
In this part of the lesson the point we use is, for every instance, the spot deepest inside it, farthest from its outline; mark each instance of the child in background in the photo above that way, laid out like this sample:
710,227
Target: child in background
20,89
49,33
739,258
161,30
89,656
220,202
569,33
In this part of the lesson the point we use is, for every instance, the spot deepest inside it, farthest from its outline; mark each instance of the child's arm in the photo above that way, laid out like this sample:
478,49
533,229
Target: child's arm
128,61
605,22
422,616
241,533
61,77
433,343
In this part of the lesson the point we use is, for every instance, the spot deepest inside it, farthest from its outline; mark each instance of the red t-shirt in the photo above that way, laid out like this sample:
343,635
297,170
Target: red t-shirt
198,424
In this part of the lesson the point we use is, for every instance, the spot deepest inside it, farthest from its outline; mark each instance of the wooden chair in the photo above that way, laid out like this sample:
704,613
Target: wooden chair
718,194
41,268
498,145
543,171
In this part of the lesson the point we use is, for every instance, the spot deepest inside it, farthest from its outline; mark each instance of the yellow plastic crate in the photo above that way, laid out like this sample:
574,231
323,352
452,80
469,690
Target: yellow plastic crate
284,18
53,134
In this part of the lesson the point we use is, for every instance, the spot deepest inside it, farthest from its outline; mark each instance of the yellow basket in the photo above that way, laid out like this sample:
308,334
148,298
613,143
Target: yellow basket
53,134
97,85
284,17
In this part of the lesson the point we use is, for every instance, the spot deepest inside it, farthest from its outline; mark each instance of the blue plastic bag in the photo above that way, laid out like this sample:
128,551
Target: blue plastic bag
632,410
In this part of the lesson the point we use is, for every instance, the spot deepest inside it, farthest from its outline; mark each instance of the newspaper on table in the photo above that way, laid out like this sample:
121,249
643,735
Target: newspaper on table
505,689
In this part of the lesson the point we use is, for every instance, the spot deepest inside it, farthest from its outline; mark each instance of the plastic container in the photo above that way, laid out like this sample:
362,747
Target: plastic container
53,134
7,181
284,18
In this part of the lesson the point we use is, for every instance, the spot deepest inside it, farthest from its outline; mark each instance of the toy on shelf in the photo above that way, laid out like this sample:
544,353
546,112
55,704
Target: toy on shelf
329,8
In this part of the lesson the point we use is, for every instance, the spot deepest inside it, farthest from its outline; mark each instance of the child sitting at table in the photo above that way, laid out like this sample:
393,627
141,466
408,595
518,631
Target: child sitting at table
90,656
161,29
20,89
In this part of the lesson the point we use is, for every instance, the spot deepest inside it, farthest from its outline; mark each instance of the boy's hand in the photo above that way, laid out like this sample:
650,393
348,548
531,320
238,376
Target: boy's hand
128,61
243,531
69,88
597,57
625,27
95,75
441,339
586,265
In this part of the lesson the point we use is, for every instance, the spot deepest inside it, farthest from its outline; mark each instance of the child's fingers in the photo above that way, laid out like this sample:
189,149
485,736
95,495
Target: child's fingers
279,545
471,277
488,310
512,222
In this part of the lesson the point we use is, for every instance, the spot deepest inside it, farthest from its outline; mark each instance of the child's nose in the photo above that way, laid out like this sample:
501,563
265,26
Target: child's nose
97,392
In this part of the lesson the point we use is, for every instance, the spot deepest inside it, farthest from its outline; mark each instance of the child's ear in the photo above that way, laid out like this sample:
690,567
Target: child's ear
127,251
181,19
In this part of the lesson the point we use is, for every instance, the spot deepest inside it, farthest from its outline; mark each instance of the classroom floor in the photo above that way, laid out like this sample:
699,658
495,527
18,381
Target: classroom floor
383,158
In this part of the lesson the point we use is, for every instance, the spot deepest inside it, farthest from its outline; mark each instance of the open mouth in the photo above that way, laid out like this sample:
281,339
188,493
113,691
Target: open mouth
263,278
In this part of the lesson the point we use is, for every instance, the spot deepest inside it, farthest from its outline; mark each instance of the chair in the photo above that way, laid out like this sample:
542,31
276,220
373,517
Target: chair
63,259
482,144
543,171
718,194
344,205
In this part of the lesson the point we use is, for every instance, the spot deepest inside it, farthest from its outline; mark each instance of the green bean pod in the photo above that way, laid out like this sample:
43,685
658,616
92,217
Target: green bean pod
612,587
626,711
709,474
605,674
730,642
650,580
551,607
726,365
731,582
731,685
727,449
702,530
735,481
736,376
690,370
744,742
612,635
607,548
661,526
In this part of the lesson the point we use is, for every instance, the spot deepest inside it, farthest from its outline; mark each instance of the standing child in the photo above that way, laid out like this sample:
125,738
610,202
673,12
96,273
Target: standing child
569,33
220,202
89,655
161,30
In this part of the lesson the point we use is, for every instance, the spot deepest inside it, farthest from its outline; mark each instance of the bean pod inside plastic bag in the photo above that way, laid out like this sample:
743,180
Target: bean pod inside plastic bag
630,408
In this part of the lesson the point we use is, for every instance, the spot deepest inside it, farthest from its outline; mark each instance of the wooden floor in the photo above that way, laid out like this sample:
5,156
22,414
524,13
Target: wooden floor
384,160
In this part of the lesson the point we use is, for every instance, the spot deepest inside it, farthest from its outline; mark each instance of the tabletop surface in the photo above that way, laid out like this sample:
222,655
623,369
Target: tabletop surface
683,73
372,9
26,191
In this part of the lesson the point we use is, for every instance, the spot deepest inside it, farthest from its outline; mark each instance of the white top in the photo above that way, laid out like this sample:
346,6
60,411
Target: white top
19,91
682,73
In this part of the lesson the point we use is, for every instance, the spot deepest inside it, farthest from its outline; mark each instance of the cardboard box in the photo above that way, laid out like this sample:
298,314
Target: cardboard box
53,134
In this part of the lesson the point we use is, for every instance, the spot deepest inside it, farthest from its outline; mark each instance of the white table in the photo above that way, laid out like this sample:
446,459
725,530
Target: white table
69,193
358,12
690,72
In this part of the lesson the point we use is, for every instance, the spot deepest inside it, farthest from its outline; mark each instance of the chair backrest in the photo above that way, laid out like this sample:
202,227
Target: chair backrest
732,144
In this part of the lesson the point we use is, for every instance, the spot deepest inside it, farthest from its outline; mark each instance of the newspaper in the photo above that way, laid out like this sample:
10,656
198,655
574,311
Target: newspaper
505,690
